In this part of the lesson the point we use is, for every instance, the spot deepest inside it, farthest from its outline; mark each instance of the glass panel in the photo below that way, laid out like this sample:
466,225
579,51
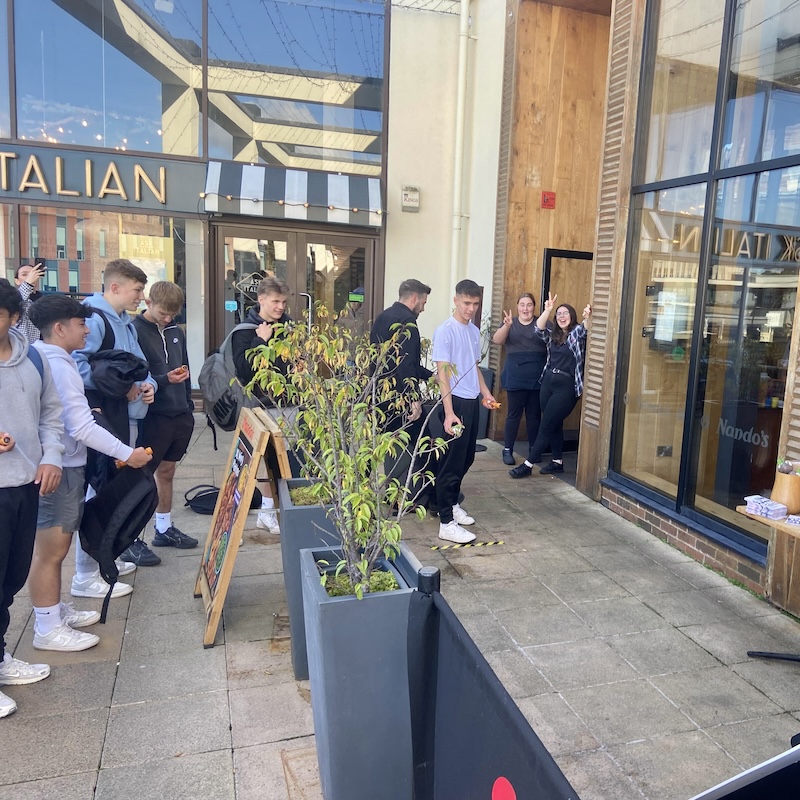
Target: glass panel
8,255
747,337
763,110
297,84
666,263
5,103
335,277
120,75
684,86
247,261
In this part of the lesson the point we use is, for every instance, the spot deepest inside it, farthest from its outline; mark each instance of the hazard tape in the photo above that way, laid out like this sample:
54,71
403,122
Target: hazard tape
459,546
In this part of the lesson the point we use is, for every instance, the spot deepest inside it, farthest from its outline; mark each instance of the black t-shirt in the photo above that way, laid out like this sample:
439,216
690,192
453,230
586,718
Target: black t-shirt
561,358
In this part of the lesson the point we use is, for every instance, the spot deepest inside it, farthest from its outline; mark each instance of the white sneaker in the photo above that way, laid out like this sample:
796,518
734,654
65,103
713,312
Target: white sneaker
7,705
14,672
78,619
461,516
125,567
95,586
268,519
64,639
453,532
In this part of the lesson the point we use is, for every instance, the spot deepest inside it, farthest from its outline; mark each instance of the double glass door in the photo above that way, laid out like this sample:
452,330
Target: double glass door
336,271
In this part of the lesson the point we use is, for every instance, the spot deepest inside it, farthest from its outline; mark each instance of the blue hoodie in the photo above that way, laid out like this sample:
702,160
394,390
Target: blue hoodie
125,338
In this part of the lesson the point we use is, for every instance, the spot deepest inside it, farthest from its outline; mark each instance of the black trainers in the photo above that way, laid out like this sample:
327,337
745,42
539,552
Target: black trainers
521,471
140,554
172,537
508,456
552,467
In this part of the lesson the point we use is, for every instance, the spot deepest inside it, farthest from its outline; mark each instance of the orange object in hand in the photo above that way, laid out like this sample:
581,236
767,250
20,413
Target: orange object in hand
121,464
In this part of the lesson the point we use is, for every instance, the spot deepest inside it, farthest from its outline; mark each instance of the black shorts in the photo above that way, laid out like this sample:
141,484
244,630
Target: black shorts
169,437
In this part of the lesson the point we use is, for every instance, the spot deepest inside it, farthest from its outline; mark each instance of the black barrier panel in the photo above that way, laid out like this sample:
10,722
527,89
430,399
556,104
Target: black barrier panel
471,742
776,779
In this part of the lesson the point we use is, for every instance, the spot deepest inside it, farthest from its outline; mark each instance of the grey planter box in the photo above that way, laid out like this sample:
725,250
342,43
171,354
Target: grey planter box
301,527
358,664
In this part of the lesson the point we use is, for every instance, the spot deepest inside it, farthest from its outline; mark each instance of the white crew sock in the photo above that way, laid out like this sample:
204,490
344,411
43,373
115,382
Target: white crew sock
85,565
266,503
163,521
48,618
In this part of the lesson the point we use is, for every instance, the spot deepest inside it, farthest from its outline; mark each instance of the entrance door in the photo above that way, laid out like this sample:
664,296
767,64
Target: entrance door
568,273
336,270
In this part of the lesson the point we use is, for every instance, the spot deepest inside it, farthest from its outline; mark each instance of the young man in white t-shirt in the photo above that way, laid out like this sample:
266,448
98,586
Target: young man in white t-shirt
457,352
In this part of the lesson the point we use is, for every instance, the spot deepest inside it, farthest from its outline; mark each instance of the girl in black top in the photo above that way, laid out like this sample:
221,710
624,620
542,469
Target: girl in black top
562,381
526,354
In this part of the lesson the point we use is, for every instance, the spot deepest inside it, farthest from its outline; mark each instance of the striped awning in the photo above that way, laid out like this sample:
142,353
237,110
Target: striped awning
279,193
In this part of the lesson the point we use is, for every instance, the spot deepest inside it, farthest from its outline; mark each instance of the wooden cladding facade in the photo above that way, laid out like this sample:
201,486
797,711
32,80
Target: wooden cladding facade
554,99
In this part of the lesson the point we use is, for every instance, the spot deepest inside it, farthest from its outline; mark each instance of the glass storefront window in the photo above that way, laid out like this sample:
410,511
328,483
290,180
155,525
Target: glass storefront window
166,248
668,225
745,348
763,109
8,255
116,75
5,104
684,84
274,99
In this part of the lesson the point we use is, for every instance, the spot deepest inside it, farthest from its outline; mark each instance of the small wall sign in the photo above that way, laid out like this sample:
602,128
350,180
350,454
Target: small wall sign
548,199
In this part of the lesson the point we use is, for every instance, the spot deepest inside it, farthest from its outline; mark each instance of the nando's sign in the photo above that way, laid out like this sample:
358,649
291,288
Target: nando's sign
36,174
741,244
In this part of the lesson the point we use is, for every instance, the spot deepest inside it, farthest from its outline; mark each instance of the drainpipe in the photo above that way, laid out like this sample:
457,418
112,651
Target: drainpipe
458,161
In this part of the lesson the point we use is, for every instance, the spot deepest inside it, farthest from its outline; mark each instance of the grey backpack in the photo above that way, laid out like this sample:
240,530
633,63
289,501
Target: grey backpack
223,394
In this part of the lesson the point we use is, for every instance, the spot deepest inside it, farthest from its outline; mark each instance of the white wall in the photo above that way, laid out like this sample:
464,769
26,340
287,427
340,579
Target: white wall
423,67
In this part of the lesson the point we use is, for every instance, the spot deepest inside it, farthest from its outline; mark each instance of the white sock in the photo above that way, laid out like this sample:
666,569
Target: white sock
267,502
48,618
85,565
528,463
163,521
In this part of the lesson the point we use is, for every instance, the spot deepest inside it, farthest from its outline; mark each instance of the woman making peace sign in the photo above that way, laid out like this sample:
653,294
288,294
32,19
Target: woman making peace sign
562,381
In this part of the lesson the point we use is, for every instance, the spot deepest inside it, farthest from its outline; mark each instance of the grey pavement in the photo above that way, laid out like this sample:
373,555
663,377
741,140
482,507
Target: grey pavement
628,658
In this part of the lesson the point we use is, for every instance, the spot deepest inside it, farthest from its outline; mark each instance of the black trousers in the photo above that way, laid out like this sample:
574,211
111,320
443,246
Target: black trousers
458,457
19,506
557,399
521,401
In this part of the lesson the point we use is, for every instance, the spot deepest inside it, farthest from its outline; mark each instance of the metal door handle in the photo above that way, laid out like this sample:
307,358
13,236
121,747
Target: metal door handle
309,306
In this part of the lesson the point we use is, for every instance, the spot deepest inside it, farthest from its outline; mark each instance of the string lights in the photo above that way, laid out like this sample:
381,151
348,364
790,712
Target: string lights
305,204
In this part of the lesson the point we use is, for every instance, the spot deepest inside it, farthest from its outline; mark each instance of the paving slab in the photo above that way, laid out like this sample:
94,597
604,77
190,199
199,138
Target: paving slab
165,633
544,625
692,607
158,729
287,707
596,776
729,641
251,664
619,615
583,587
528,592
517,673
778,680
65,787
661,651
755,740
277,769
183,777
556,724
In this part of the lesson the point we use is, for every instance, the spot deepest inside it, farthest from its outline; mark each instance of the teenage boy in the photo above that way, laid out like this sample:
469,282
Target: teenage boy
62,322
124,291
169,423
457,353
30,467
270,311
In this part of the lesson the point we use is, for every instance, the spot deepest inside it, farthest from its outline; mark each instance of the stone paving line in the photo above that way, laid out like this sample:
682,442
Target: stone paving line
628,658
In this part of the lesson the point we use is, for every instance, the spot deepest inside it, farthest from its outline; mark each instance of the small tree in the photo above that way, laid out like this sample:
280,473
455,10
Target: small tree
343,413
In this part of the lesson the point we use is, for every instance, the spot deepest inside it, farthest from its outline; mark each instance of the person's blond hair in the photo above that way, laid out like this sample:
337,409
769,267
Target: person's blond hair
169,296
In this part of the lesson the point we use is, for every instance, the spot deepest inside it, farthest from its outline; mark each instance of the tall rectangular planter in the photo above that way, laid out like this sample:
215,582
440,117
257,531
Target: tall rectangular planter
358,665
301,527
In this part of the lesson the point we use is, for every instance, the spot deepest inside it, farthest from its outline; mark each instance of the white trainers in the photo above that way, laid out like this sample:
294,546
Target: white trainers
95,586
14,672
7,705
64,639
461,516
78,619
268,519
453,532
125,567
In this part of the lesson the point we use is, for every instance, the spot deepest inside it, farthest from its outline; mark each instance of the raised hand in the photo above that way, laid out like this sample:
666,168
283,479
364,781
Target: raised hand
551,301
587,312
507,317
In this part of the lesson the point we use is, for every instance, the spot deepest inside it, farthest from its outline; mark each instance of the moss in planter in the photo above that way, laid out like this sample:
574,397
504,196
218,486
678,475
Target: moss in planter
340,586
303,496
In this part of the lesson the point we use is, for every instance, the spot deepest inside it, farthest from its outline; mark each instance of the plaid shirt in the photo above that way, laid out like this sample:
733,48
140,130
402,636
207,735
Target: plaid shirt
25,326
576,341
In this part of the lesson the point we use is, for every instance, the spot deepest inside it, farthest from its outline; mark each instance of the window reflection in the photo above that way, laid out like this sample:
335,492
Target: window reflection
8,256
763,110
684,88
667,266
297,84
122,75
5,114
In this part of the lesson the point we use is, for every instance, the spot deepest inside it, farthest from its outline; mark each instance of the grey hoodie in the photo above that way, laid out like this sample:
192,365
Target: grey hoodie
30,412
